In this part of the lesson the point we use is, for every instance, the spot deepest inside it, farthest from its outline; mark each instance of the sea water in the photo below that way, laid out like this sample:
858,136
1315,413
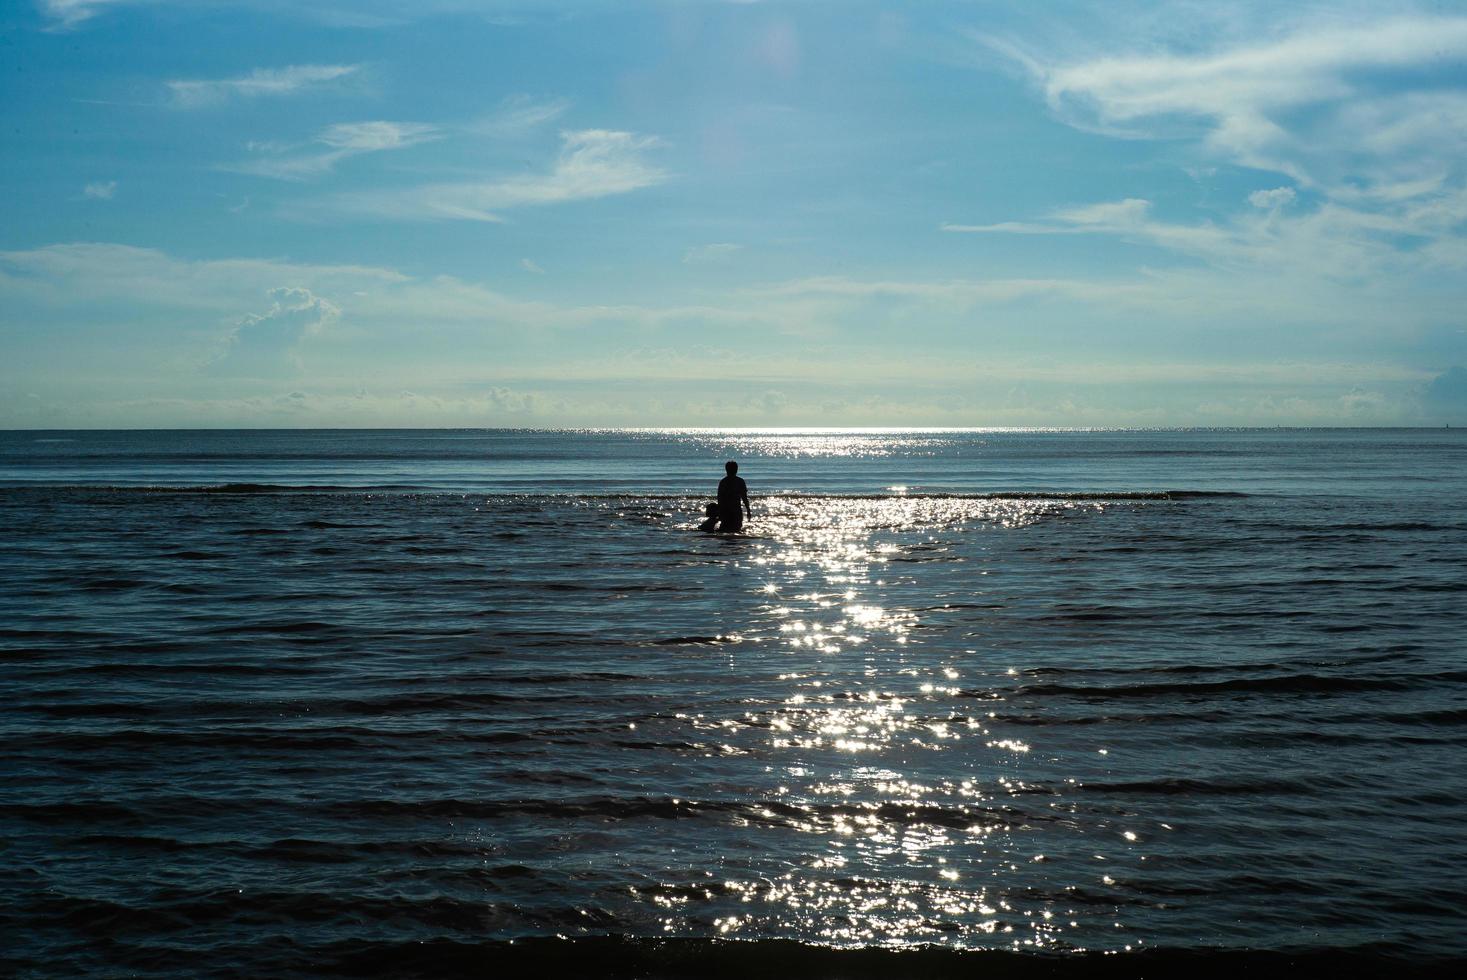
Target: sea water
273,699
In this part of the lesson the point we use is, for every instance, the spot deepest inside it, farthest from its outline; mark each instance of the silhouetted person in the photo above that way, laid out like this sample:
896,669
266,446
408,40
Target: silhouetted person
711,524
732,491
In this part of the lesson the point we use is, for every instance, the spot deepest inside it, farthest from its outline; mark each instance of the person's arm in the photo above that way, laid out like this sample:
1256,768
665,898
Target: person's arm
747,512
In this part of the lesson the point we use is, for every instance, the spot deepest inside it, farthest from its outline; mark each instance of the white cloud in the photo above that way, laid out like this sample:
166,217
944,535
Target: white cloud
735,403
72,280
137,323
529,265
1330,242
1309,104
101,190
507,401
368,14
1124,212
1105,216
1363,109
192,94
592,163
957,293
368,136
710,253
154,283
66,14
344,139
519,114
1272,199
61,275
264,344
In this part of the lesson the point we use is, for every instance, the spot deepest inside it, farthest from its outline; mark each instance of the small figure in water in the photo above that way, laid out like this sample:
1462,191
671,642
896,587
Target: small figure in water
710,512
732,491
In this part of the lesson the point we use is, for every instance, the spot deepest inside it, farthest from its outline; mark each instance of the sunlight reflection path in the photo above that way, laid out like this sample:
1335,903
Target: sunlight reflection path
920,823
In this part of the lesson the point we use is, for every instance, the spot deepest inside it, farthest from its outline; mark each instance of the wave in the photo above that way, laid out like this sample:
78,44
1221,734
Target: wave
146,812
627,956
227,488
1182,786
1290,684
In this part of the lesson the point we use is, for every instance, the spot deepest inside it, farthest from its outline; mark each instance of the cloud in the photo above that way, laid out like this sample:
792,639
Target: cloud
66,14
771,402
1314,104
344,139
701,403
130,324
125,276
368,14
193,94
1363,107
1332,242
365,137
154,286
518,115
1126,212
1271,200
956,293
531,266
1445,396
1105,216
506,401
592,163
713,252
71,283
267,343
100,191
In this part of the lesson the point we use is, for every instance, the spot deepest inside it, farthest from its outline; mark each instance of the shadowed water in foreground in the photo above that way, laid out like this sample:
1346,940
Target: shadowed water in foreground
1014,701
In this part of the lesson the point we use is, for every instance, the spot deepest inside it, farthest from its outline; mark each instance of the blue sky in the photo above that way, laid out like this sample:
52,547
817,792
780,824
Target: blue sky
270,213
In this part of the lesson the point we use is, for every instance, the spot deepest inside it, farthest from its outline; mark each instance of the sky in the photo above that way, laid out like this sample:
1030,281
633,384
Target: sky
294,213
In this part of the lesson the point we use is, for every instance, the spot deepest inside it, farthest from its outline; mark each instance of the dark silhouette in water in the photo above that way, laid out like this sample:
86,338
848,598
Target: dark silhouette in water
732,491
710,512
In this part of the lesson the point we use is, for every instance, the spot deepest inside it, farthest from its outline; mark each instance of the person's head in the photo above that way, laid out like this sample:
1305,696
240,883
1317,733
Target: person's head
731,467
711,510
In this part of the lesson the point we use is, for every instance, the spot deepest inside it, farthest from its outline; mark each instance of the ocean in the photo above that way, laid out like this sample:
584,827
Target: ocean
411,702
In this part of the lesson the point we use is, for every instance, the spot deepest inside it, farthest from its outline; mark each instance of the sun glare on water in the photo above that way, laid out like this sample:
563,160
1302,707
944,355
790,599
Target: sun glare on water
914,809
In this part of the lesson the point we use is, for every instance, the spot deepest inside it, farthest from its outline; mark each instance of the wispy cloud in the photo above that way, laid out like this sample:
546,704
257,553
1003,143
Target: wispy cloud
531,266
241,328
66,14
1364,113
1270,199
519,114
592,163
711,252
62,274
1332,242
1107,216
1310,104
101,190
262,82
365,137
342,140
369,14
956,293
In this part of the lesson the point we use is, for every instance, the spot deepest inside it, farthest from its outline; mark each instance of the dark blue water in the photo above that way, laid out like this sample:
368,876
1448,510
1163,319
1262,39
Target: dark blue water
294,702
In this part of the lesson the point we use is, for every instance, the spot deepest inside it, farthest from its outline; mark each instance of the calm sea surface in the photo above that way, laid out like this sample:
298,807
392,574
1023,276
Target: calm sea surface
287,702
